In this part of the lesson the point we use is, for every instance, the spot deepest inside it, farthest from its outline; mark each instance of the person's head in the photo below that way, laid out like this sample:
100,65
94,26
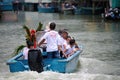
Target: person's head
68,38
60,32
30,44
72,42
52,26
64,34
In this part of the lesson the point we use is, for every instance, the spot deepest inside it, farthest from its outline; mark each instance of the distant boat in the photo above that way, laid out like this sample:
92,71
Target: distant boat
46,6
45,10
111,14
88,10
62,65
68,11
6,6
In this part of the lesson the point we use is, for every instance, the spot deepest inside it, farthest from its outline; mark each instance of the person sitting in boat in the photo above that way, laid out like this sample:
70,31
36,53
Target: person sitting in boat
110,14
29,46
117,13
73,47
67,5
47,5
52,41
63,42
41,5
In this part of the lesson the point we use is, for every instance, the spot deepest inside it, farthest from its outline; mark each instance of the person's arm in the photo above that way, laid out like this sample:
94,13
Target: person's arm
41,42
73,51
60,48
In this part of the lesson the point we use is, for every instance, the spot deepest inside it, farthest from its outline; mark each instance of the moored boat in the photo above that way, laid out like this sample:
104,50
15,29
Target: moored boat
47,6
68,11
45,10
111,14
88,10
62,65
6,6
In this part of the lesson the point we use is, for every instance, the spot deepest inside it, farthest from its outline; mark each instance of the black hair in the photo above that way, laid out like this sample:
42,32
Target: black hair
68,36
52,26
60,31
72,41
29,43
64,31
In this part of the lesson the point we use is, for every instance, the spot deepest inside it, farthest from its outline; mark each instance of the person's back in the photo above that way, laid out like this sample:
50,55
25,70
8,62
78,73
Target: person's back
52,41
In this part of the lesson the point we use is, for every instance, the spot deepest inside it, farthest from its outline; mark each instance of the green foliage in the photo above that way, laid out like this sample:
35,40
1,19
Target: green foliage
39,27
28,35
18,49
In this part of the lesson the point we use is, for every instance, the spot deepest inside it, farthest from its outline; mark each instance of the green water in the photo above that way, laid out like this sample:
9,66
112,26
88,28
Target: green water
100,59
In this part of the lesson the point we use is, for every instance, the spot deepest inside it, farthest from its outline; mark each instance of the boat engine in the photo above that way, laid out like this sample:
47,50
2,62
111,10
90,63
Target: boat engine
35,60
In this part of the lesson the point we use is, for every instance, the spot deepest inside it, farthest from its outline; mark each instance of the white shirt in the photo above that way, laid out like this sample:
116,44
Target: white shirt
52,38
63,43
25,52
70,49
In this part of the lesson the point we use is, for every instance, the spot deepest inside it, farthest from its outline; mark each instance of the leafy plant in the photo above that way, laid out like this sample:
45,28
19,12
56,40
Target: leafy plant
28,37
18,49
39,27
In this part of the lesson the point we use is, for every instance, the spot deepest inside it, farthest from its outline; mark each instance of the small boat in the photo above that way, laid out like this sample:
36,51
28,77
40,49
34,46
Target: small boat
6,6
62,65
46,6
88,10
68,11
45,10
111,14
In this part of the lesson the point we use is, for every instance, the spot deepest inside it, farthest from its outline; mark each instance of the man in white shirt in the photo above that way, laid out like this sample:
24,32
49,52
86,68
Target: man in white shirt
52,38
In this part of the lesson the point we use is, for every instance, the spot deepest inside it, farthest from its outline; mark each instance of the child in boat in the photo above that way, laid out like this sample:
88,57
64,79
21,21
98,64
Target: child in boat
30,45
73,47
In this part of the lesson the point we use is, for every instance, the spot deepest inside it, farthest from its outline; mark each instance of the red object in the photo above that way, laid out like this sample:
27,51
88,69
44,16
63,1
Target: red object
35,45
32,31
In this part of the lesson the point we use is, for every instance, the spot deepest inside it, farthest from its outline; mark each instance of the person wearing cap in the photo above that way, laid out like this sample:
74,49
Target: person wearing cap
52,41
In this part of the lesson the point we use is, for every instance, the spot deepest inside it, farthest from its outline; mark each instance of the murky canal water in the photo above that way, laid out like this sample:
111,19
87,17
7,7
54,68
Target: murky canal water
100,59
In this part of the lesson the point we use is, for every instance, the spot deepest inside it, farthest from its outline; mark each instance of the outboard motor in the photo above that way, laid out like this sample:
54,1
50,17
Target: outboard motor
35,60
